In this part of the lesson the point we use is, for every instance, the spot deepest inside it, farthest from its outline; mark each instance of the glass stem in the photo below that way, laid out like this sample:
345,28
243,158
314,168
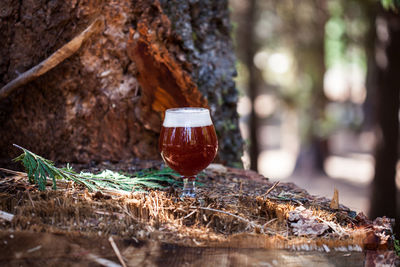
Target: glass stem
189,187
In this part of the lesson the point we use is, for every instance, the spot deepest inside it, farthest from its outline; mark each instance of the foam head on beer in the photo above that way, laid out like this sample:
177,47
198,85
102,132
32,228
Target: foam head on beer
187,117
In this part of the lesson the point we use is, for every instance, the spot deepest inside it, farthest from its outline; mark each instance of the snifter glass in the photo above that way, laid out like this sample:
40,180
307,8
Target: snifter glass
188,143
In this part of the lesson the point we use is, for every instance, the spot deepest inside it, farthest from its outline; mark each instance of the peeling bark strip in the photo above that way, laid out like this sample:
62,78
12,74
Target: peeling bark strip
165,84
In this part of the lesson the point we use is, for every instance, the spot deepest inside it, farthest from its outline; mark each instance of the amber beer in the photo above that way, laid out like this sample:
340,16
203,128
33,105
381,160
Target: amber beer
188,150
188,143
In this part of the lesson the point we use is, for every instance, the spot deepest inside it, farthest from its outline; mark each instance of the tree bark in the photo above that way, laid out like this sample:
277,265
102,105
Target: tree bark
383,199
95,105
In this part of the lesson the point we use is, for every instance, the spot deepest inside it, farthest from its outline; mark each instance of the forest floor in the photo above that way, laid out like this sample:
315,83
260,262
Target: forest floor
349,168
351,194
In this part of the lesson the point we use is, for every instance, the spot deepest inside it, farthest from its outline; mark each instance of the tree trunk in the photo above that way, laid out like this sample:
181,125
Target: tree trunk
252,83
383,199
99,104
369,105
246,16
315,147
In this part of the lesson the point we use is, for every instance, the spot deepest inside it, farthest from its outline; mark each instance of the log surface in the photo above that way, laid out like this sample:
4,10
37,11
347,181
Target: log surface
41,249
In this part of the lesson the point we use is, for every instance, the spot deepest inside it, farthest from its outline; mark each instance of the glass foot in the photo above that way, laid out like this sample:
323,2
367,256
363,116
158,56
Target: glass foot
189,189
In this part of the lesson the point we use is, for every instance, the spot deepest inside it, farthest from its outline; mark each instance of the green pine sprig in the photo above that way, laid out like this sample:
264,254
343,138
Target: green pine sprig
40,169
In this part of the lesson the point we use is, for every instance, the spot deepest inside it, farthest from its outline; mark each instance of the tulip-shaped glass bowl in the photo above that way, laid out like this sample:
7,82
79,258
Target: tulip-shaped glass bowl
188,143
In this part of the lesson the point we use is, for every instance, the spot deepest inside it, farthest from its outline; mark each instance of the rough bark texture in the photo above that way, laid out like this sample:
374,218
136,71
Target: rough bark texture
93,107
204,29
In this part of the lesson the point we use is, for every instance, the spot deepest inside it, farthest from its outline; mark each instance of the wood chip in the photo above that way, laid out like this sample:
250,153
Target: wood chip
6,216
219,168
335,200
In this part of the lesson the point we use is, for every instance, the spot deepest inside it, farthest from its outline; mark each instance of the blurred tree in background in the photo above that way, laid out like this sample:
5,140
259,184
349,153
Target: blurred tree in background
293,46
247,16
331,64
387,62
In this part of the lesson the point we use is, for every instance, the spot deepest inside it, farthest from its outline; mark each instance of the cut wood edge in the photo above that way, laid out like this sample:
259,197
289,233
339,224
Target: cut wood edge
52,61
279,242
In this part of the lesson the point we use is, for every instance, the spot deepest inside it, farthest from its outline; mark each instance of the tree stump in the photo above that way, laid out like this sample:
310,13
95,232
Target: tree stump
238,219
99,104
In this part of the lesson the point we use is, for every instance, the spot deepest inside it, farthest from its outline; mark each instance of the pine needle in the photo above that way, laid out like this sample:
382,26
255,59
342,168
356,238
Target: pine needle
39,170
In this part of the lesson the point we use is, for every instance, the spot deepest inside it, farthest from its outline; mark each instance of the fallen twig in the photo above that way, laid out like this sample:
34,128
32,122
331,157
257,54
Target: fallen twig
13,172
30,198
125,210
116,214
190,214
270,221
34,249
116,250
56,58
270,189
335,227
252,224
102,261
231,214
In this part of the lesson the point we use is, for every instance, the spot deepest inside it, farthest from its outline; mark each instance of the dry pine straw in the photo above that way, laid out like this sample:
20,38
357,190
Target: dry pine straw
220,216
